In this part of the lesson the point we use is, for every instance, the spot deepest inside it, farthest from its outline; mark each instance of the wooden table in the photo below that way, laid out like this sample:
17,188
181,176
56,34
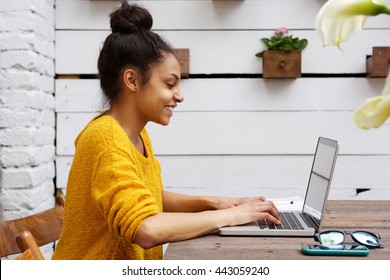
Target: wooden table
342,215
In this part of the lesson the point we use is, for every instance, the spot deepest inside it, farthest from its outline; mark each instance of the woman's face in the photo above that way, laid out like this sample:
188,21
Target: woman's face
160,95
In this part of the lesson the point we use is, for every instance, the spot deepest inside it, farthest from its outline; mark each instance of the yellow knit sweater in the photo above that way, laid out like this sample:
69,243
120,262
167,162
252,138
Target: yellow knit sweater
111,189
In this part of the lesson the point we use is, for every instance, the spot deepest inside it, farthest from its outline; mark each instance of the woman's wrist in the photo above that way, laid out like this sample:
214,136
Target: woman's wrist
219,203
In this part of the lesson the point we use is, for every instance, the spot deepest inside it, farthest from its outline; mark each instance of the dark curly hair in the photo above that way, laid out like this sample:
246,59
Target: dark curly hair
131,44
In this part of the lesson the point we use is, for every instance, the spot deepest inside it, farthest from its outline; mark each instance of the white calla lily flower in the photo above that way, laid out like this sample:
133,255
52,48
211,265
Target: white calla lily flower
338,20
374,112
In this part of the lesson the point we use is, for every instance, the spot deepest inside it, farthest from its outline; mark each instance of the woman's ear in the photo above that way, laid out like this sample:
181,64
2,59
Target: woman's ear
130,79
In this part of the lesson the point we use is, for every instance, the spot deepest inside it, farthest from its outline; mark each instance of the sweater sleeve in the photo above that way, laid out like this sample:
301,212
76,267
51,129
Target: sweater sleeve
122,196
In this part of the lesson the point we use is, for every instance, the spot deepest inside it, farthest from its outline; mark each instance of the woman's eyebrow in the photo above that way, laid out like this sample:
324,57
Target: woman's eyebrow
175,76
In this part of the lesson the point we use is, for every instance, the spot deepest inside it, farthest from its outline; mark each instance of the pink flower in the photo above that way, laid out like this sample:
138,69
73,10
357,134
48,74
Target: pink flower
281,30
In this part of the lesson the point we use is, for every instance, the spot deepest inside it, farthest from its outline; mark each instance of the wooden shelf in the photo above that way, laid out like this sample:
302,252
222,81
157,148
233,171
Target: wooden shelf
377,65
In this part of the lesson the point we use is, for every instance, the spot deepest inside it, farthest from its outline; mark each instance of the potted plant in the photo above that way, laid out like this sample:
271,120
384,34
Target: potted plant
282,59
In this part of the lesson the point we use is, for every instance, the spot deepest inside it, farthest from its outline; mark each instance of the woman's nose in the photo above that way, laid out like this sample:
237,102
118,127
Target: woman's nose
179,97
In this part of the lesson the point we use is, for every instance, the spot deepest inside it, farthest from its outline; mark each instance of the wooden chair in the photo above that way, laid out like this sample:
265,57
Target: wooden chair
28,246
25,235
26,256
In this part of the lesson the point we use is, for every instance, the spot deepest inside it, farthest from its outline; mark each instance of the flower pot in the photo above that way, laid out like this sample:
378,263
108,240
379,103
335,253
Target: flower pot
281,64
377,65
183,57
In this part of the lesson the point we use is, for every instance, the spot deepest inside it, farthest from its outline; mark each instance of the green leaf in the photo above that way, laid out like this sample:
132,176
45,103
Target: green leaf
259,54
283,43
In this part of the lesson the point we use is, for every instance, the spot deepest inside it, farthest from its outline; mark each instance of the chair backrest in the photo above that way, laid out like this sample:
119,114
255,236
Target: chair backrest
45,227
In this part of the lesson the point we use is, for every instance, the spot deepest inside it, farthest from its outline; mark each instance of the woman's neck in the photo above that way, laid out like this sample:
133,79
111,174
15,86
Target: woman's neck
130,124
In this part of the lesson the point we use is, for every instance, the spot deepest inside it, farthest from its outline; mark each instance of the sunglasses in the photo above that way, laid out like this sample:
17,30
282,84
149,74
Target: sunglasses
336,237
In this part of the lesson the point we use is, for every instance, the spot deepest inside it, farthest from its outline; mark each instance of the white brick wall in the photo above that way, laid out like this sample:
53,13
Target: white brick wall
27,118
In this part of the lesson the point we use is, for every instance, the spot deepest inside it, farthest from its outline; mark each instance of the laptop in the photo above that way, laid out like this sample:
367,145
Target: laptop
307,221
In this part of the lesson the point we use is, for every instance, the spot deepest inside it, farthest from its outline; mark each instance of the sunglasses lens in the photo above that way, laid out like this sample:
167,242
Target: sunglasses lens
366,238
331,238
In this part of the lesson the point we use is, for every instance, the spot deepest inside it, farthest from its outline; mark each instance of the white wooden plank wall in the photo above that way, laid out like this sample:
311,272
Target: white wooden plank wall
236,133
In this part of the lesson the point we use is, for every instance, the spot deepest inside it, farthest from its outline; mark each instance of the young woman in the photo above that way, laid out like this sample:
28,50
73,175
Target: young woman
116,207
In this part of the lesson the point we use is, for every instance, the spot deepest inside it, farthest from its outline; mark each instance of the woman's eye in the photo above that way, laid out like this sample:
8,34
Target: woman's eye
170,85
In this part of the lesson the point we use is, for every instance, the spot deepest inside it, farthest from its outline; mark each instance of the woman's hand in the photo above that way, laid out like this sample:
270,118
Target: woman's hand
252,211
244,209
227,202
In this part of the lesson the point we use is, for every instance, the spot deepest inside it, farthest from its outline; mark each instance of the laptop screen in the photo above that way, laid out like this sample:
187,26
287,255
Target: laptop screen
320,177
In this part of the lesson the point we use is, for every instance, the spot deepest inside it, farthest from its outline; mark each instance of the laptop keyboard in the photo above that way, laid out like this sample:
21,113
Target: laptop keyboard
310,221
287,219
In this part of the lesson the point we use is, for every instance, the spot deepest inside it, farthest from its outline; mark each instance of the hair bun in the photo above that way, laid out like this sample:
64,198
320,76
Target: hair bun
130,18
